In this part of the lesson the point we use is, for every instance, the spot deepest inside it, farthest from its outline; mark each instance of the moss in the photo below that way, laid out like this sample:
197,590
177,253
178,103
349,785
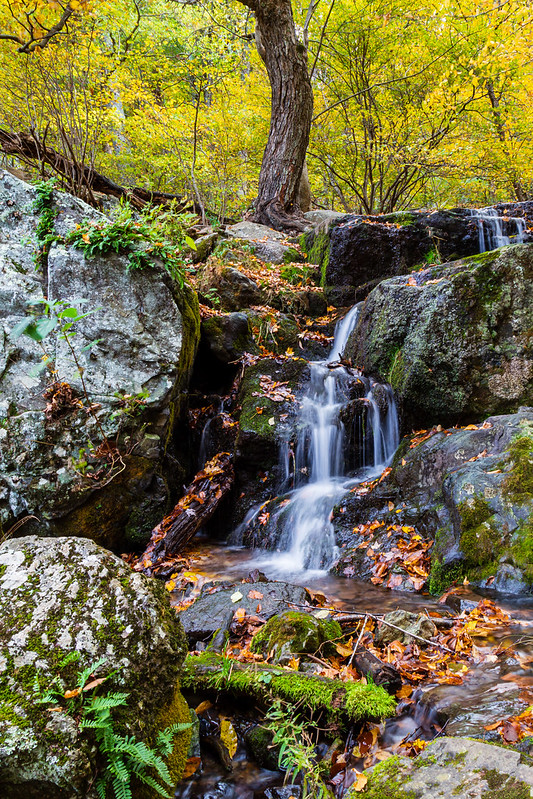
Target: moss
442,576
518,485
292,255
522,548
176,713
313,694
404,218
385,781
396,374
481,540
502,786
296,633
316,245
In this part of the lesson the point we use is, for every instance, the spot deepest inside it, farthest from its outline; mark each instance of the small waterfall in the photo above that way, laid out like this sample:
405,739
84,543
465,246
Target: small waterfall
299,523
497,231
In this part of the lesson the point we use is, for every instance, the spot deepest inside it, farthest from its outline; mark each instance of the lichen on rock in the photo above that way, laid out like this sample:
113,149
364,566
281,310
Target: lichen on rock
65,595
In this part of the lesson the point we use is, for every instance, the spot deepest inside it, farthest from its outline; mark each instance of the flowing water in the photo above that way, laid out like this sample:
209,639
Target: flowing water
338,397
497,231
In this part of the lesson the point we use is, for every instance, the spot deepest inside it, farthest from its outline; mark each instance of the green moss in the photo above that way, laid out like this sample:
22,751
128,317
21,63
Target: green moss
502,786
481,540
396,374
404,218
334,697
385,781
442,576
296,633
518,484
522,548
316,245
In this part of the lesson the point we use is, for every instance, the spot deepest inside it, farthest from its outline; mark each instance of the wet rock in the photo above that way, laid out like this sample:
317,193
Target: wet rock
456,767
454,340
470,707
409,623
226,337
212,612
274,330
294,634
284,793
258,740
268,245
471,491
144,332
66,596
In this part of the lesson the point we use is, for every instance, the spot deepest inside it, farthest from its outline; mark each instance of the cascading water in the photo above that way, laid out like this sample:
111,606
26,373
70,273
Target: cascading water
497,231
300,523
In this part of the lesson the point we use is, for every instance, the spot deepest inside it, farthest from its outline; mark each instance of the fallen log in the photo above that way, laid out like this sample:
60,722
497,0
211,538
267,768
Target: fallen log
380,673
338,700
29,148
194,509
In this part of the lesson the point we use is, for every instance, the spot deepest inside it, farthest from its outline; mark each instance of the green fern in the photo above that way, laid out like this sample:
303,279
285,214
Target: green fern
123,756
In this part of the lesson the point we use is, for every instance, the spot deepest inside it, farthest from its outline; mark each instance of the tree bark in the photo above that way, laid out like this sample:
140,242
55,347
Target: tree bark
201,499
285,59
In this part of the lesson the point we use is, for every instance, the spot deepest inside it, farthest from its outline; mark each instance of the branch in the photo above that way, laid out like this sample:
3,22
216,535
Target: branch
32,44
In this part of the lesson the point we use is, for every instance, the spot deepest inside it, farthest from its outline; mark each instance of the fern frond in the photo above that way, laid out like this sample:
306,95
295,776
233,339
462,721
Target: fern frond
149,780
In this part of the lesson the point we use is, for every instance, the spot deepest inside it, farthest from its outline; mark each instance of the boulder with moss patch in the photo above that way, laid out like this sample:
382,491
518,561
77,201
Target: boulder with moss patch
294,634
136,348
470,489
68,595
453,341
447,767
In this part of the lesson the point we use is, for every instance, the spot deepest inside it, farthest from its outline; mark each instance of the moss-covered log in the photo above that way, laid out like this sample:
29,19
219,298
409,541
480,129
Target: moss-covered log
340,701
201,499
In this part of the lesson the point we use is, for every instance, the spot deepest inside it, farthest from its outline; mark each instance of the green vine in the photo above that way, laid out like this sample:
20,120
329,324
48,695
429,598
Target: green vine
44,206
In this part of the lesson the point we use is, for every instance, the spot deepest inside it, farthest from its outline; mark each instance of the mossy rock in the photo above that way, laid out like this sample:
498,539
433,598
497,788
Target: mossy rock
294,634
455,341
67,595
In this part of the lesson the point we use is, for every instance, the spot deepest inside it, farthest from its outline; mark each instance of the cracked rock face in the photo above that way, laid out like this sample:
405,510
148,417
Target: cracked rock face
65,595
144,330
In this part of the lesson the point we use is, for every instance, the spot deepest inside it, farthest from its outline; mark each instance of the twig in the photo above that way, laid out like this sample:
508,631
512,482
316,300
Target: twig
356,616
358,641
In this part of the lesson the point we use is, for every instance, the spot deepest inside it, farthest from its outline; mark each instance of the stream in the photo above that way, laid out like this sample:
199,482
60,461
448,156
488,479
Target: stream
318,469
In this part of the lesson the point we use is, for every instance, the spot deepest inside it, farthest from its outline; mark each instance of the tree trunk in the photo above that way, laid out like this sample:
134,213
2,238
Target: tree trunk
285,59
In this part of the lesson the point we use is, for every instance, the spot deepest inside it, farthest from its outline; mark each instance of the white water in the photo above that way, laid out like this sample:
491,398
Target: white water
301,523
497,231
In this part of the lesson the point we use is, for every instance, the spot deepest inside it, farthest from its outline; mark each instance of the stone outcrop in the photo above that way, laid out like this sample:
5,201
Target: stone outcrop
136,348
355,252
471,490
454,341
65,596
456,767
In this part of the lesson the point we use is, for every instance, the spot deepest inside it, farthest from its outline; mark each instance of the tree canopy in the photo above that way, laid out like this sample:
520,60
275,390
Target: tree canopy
410,106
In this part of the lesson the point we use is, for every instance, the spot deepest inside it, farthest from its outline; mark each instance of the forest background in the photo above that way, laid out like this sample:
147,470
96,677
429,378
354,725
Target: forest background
414,106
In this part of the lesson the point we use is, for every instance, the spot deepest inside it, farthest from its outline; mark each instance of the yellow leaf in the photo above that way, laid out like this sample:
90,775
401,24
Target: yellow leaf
228,736
72,694
236,596
391,505
203,706
170,585
343,650
360,783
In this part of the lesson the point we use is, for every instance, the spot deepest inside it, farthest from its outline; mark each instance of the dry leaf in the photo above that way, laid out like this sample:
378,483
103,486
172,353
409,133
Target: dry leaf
236,596
203,706
191,767
255,594
228,736
360,783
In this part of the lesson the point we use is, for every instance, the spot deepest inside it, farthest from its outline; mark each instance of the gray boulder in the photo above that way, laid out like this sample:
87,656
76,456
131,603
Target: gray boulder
144,330
453,341
214,611
456,767
269,245
63,597
471,490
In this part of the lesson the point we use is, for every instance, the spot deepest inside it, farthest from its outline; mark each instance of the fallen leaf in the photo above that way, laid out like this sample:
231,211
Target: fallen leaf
236,596
253,594
203,706
228,736
191,767
360,783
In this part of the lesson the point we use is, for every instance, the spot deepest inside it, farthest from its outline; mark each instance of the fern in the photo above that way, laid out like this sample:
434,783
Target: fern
124,757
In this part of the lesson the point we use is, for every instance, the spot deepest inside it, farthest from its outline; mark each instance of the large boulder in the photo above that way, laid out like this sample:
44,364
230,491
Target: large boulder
469,490
134,352
354,251
68,605
447,767
453,341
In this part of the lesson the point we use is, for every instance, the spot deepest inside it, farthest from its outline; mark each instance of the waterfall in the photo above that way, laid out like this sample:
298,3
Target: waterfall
299,523
497,231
